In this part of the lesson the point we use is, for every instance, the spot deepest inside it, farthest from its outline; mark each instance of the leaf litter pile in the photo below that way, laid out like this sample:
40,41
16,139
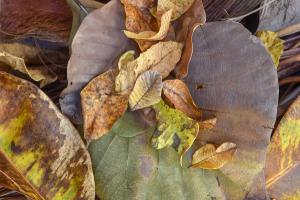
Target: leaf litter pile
150,99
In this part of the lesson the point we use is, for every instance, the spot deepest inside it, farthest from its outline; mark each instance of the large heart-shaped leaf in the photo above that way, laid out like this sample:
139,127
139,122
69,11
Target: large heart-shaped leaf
283,158
239,86
41,153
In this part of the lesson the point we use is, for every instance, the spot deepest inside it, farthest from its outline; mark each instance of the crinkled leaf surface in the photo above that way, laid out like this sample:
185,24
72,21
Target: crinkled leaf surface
283,157
41,153
96,45
239,86
178,7
130,168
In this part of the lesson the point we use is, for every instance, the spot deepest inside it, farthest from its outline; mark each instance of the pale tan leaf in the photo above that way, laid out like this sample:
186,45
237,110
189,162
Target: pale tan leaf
146,91
208,124
179,95
208,157
101,106
125,59
178,7
151,35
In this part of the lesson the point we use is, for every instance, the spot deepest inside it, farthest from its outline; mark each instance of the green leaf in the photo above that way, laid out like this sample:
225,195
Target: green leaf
41,153
130,168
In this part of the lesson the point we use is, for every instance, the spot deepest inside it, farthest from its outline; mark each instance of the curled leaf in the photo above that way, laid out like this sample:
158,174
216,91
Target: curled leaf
125,59
178,7
208,157
151,35
101,106
41,153
273,44
39,74
161,57
179,95
146,91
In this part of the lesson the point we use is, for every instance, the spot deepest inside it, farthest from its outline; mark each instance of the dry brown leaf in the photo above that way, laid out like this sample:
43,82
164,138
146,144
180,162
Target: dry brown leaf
101,107
208,124
179,95
146,91
194,17
39,74
161,57
208,157
178,7
151,35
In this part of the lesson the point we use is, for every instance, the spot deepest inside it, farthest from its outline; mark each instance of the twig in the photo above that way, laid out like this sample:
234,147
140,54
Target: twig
293,79
289,30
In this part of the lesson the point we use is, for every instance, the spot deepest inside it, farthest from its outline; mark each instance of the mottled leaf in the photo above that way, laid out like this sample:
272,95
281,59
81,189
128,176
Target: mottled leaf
194,17
39,74
273,44
130,168
178,94
41,153
283,157
146,91
161,57
151,35
210,157
101,106
178,7
96,45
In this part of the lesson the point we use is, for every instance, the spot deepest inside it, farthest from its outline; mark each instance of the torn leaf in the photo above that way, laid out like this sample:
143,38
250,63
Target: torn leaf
146,91
208,157
101,106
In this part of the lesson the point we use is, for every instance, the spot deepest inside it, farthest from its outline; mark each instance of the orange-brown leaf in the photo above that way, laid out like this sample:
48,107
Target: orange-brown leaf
101,106
179,95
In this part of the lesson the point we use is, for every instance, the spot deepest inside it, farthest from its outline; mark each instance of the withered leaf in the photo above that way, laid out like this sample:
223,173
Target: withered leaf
39,74
283,156
179,95
151,35
41,153
194,17
125,59
210,157
161,57
101,106
178,7
146,91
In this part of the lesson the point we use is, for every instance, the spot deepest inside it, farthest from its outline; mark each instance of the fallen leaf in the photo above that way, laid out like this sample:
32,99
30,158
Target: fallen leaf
179,95
86,62
283,156
173,123
39,74
208,124
151,35
239,88
41,153
194,17
119,162
273,44
146,91
178,7
101,106
208,157
125,58
161,57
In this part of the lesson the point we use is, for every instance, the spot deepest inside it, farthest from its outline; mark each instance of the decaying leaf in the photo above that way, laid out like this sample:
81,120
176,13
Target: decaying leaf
130,168
179,95
125,58
146,91
41,153
273,44
86,62
210,157
161,57
151,35
173,123
283,157
194,17
101,106
178,7
39,74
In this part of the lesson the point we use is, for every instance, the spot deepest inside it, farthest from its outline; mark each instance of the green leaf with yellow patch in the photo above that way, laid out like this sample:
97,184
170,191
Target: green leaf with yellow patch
41,153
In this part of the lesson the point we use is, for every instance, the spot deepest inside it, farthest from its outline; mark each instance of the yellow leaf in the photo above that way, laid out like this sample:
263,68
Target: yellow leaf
273,44
161,57
179,7
39,74
101,106
151,35
146,91
208,157
125,58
